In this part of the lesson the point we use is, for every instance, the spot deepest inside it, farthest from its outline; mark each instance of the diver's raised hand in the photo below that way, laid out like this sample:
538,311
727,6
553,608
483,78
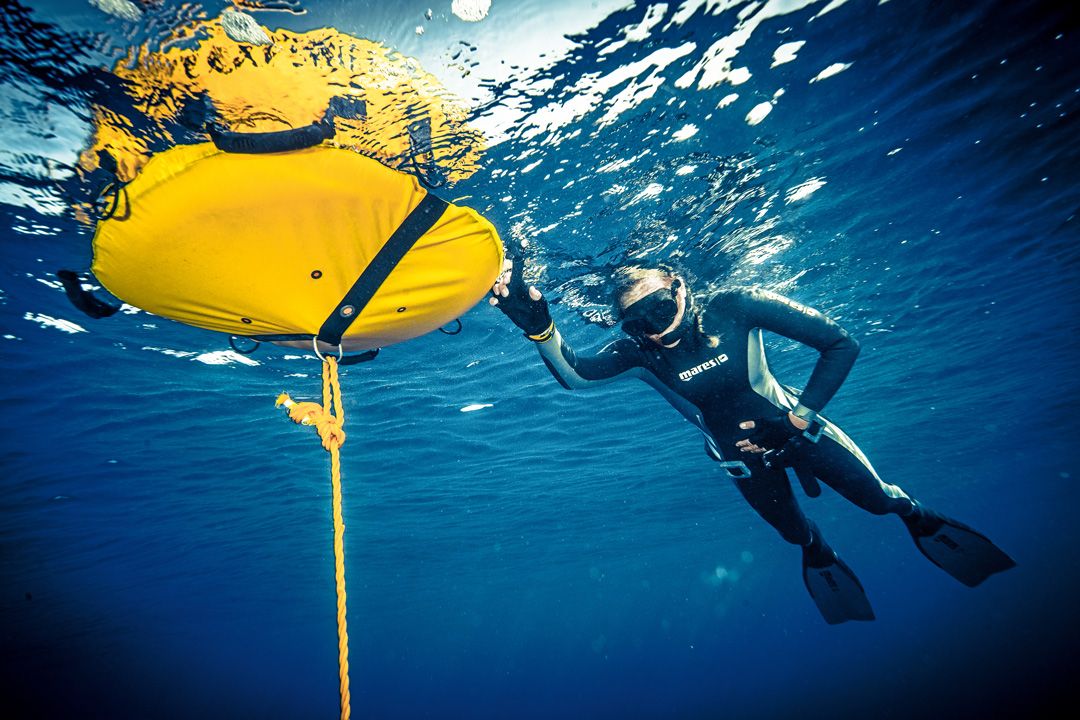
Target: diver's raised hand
525,306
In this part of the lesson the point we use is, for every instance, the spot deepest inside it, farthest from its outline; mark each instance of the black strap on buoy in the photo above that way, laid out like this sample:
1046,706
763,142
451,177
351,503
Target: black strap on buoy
84,299
273,142
419,221
361,358
420,144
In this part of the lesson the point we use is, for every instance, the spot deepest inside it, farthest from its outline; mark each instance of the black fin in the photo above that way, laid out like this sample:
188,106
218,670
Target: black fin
966,554
833,586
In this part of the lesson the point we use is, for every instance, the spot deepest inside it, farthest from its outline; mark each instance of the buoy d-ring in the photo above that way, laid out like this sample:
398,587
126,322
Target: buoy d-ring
232,344
315,347
452,332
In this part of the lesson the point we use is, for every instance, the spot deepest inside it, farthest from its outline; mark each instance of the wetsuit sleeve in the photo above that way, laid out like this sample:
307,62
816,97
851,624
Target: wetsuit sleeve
791,319
618,360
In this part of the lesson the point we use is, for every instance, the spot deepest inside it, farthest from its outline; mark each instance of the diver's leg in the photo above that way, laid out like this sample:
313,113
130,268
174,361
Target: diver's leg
769,493
832,585
848,473
966,554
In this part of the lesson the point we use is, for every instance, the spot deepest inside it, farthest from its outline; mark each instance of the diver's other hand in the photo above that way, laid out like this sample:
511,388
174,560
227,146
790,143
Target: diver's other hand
525,306
770,433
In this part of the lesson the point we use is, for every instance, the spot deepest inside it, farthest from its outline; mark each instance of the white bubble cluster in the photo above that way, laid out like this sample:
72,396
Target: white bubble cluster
123,9
471,10
243,28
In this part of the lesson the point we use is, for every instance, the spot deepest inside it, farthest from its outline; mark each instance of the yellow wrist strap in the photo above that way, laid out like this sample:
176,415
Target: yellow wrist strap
545,335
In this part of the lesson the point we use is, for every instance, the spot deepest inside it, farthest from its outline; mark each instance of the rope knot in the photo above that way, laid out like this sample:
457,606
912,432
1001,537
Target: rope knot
328,423
330,430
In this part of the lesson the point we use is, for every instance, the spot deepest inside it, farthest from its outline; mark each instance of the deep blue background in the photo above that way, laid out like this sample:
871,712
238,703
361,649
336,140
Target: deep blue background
165,536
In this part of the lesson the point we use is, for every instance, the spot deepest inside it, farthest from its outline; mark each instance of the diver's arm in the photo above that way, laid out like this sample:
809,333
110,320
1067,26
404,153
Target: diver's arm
528,309
786,317
620,359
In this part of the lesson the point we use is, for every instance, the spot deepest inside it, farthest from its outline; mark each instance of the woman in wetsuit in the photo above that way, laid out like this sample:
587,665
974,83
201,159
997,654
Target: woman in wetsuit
709,362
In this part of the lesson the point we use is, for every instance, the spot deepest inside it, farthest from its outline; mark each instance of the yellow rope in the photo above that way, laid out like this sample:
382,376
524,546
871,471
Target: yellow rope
329,419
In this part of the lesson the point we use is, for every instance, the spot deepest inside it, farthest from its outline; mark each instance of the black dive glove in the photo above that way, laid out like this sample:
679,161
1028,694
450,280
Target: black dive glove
530,315
783,442
780,438
772,433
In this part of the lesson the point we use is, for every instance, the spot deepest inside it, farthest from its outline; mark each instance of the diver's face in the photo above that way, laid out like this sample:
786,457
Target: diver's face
654,307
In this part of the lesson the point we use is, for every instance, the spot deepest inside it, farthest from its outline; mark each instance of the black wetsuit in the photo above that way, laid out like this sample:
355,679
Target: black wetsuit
719,377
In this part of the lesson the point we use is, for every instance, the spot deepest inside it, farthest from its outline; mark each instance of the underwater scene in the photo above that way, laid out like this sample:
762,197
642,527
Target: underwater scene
271,447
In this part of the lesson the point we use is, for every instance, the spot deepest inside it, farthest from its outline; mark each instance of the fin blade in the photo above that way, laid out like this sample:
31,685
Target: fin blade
966,554
837,593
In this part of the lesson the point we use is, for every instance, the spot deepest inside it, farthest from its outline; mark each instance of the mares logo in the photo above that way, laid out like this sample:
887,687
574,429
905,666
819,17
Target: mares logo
799,307
708,365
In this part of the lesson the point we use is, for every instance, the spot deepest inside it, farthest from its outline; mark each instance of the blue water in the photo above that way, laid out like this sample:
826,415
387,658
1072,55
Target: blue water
165,536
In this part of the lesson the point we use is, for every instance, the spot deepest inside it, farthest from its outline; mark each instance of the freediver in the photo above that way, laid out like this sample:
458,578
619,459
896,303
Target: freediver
709,362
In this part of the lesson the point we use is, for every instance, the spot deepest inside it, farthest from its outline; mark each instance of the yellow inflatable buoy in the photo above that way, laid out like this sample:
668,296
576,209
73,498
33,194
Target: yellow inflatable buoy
289,246
285,84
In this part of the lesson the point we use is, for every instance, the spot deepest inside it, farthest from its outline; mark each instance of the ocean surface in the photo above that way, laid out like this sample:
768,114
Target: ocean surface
514,550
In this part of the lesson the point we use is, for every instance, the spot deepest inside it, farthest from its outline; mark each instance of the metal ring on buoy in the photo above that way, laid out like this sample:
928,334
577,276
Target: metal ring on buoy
315,347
